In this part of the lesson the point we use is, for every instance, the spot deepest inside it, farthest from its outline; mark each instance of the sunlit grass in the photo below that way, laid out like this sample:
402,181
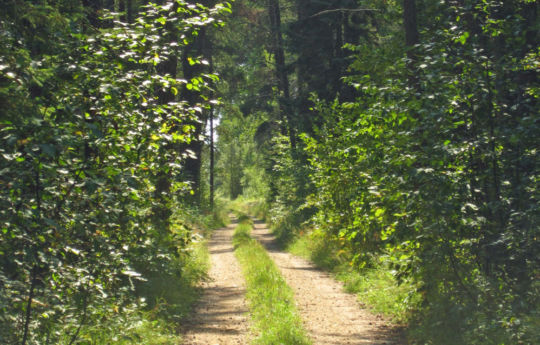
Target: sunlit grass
377,288
271,300
255,207
130,329
168,297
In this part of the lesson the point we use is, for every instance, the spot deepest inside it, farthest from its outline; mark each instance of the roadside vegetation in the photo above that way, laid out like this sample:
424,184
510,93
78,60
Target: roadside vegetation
166,296
405,133
271,301
377,287
167,293
100,157
405,136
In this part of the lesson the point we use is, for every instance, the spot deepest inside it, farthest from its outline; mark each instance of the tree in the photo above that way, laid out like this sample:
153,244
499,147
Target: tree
284,98
411,37
90,124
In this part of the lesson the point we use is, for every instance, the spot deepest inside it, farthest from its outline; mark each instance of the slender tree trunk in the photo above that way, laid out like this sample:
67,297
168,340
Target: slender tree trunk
232,170
193,164
301,74
281,72
411,39
81,323
212,159
200,47
130,15
161,211
92,8
33,282
33,273
410,23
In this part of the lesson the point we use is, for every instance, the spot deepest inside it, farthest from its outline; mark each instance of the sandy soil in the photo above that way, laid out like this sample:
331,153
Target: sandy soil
330,315
221,316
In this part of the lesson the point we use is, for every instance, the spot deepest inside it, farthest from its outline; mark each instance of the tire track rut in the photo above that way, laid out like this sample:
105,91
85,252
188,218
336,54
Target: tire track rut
221,317
330,315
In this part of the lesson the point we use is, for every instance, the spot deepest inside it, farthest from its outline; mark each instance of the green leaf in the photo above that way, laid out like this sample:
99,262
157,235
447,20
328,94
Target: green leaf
463,38
161,20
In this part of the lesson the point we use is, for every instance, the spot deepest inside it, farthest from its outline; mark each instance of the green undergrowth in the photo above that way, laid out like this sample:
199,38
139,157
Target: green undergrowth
271,300
168,291
203,221
166,299
376,287
257,208
132,325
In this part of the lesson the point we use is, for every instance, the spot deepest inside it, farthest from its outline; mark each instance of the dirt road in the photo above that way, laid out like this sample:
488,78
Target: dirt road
331,316
221,316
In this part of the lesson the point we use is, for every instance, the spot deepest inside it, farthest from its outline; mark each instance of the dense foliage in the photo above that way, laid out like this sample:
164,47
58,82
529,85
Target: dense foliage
95,130
407,132
438,172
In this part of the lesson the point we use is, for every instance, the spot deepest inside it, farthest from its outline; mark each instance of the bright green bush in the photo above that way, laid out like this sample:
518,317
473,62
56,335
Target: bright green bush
93,136
433,169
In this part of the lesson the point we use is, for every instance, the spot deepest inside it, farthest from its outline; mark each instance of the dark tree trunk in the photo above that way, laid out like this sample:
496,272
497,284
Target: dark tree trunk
409,21
201,47
28,314
411,39
161,212
130,15
281,72
193,164
212,159
92,9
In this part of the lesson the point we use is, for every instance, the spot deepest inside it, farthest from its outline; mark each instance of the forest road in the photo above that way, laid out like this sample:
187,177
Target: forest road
330,315
221,315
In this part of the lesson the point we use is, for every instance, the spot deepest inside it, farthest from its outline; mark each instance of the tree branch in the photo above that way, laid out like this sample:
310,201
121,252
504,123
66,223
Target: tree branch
344,10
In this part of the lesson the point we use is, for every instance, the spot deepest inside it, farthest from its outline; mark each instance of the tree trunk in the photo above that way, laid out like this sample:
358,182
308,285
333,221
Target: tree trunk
212,159
411,39
130,15
281,72
193,164
410,23
161,211
33,282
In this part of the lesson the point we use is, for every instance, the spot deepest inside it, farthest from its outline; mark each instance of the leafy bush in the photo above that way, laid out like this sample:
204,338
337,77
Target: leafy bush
93,136
432,169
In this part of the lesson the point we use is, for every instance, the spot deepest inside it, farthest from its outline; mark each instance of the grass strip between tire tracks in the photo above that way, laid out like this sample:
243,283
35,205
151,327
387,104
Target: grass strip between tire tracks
271,300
